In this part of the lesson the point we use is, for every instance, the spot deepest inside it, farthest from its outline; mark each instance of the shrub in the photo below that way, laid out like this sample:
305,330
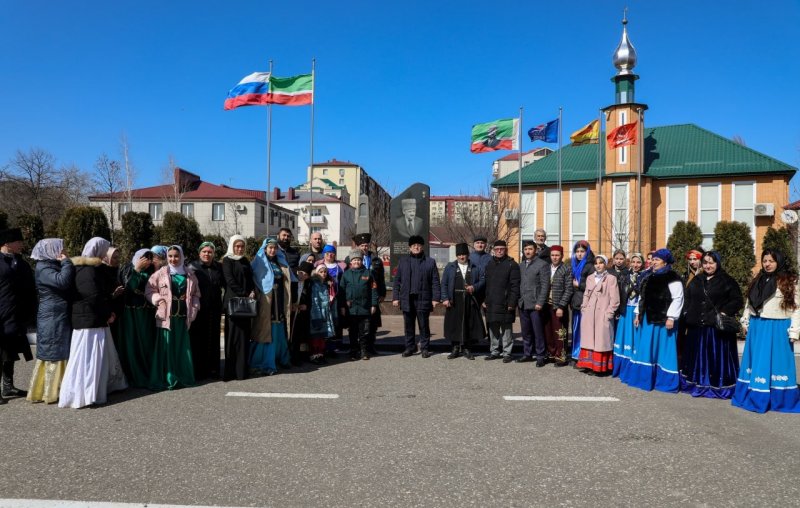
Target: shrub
3,220
137,233
734,243
780,239
81,223
32,229
251,247
177,229
685,237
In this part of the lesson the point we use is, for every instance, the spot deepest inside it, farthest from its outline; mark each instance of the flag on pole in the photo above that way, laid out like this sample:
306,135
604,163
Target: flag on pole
587,135
497,135
623,135
547,132
261,88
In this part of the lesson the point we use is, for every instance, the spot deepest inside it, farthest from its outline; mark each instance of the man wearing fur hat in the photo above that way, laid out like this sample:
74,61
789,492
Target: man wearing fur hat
463,324
502,296
417,291
17,308
372,262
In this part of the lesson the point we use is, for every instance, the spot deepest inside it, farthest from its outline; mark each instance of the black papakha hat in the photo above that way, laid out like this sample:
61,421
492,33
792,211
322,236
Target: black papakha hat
306,267
362,238
415,239
499,243
10,235
462,249
479,239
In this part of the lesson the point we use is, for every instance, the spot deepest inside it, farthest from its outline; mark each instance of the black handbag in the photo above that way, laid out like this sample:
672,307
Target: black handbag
723,322
239,306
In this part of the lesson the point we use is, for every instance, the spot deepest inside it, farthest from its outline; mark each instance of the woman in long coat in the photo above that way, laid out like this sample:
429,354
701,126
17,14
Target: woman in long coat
600,303
768,376
136,341
90,373
271,329
582,266
238,283
710,360
206,330
54,278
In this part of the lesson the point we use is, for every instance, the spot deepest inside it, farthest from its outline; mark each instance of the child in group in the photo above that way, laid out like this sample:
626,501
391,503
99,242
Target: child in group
322,308
358,299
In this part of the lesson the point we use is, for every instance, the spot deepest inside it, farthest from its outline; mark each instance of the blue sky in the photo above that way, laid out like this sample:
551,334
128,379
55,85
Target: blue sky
399,84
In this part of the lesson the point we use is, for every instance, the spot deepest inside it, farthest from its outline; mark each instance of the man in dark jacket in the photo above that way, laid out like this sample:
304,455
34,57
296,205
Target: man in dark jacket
285,243
372,262
480,258
502,296
417,291
534,289
17,308
556,312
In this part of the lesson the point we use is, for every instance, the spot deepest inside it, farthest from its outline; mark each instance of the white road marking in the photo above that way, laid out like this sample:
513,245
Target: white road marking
559,398
284,395
57,503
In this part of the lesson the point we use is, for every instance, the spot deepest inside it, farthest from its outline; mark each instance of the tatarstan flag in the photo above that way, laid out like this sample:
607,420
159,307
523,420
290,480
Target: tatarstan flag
497,135
293,91
261,88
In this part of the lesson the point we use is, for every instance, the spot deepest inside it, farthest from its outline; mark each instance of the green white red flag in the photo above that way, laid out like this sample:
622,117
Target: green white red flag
497,135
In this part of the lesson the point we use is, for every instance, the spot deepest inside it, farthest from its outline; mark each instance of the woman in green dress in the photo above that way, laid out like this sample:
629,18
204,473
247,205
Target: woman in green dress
175,294
137,340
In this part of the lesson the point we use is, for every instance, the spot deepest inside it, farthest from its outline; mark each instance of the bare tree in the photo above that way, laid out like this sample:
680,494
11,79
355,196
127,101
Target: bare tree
129,170
109,179
176,188
489,220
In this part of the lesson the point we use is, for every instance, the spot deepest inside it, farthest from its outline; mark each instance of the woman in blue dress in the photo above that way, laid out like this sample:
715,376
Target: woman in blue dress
768,378
582,266
654,359
630,284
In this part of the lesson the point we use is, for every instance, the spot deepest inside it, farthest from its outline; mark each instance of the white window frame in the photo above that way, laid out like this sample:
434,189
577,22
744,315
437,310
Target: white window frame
156,206
615,228
128,207
667,227
557,234
190,215
525,226
572,211
752,223
700,208
214,216
622,156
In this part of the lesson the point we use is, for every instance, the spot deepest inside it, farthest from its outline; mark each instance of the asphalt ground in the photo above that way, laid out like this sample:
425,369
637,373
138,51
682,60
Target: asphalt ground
402,432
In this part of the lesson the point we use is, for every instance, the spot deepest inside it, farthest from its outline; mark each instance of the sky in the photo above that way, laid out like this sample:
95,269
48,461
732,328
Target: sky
398,84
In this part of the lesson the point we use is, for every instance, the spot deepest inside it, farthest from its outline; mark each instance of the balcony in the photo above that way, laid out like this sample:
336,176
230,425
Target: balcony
316,219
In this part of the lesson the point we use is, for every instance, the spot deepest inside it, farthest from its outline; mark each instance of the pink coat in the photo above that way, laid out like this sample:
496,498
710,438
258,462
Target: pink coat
159,289
600,302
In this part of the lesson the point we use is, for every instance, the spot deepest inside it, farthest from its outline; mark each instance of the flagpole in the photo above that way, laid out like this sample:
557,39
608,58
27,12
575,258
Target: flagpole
269,155
311,167
639,177
519,182
600,192
560,123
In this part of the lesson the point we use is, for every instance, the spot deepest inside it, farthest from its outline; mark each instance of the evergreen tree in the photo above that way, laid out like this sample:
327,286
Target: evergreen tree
734,243
251,246
177,229
3,220
137,233
81,223
32,229
685,237
780,239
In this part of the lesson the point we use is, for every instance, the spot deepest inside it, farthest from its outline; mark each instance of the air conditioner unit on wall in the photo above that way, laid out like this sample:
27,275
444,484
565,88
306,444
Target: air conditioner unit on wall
511,214
241,208
764,210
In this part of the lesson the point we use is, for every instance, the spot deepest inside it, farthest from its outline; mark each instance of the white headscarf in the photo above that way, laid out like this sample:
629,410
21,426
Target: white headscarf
139,254
109,254
96,248
231,243
180,269
49,248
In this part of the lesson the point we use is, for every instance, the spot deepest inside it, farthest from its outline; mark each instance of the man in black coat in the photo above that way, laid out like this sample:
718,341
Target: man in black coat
417,291
285,243
17,308
502,296
542,250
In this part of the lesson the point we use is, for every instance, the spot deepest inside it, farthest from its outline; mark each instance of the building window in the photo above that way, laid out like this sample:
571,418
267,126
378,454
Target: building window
155,210
623,151
708,199
551,216
578,206
218,211
271,217
341,181
316,212
187,210
677,201
123,209
292,221
744,200
528,214
621,224
316,229
262,215
280,220
324,171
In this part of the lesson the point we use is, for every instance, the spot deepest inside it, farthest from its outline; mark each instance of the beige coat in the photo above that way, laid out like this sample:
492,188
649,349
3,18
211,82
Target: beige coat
262,324
159,289
600,302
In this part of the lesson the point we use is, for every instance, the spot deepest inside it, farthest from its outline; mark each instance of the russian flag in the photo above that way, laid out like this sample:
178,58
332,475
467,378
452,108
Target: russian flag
252,90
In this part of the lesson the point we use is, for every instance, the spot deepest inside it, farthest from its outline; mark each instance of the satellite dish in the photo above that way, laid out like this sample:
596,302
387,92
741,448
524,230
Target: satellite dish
789,216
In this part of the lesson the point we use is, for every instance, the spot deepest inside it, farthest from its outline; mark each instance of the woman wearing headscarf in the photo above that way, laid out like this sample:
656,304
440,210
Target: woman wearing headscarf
710,357
336,270
768,378
110,269
624,338
90,373
205,332
159,256
600,302
270,349
654,362
54,276
582,266
238,283
136,341
301,325
175,294
322,308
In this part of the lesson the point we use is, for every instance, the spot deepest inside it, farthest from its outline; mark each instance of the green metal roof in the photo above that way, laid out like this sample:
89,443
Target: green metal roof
671,151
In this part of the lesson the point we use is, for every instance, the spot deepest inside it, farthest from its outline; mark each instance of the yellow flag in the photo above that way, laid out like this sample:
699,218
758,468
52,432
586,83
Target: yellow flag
587,135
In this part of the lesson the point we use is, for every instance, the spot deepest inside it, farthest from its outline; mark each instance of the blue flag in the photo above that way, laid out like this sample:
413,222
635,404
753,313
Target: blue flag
547,132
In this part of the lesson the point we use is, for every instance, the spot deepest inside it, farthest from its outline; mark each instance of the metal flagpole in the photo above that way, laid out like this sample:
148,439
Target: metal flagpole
639,179
311,167
269,156
600,193
560,130
519,182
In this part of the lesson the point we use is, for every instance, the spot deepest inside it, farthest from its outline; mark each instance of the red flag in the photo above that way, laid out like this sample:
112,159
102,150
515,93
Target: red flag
623,135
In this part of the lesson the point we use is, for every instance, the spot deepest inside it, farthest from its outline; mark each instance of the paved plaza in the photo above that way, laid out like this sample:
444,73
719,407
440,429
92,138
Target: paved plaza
398,431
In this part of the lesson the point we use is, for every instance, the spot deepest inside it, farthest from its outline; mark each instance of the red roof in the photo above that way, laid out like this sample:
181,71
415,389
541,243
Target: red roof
334,162
795,205
460,198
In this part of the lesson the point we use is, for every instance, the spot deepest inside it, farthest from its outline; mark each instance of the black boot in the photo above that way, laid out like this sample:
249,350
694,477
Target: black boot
455,354
8,389
468,354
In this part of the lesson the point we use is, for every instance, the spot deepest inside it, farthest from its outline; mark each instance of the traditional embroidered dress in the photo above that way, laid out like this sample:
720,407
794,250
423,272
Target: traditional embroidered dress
270,349
625,334
137,340
580,271
322,308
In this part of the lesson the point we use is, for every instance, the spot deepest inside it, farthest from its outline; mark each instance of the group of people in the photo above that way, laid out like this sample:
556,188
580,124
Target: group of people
154,322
